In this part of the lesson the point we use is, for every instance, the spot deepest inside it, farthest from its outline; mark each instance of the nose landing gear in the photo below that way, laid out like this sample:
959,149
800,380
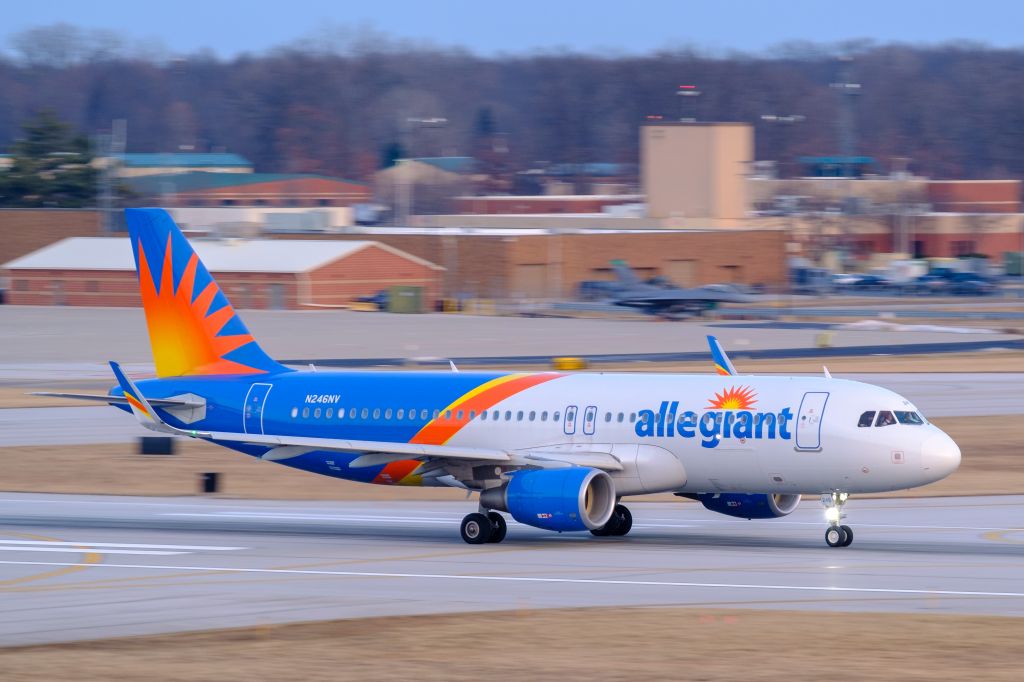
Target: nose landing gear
837,534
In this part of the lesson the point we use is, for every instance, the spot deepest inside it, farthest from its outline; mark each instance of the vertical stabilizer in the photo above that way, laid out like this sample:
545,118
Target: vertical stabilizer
193,330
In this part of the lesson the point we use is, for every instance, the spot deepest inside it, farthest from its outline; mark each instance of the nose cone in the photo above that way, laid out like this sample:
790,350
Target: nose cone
940,456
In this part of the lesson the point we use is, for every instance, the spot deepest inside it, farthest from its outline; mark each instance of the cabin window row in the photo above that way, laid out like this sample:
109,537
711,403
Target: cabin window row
412,414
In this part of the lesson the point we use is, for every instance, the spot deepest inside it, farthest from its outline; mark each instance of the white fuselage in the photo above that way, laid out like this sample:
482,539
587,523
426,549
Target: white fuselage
762,434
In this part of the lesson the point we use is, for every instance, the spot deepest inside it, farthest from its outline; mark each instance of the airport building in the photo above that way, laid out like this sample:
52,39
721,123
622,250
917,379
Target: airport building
253,273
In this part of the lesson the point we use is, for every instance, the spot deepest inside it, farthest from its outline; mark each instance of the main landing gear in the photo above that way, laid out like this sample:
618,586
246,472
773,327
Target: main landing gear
836,535
479,529
620,523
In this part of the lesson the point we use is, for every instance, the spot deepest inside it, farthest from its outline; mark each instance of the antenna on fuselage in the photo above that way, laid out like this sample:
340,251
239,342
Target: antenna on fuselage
828,374
312,367
451,363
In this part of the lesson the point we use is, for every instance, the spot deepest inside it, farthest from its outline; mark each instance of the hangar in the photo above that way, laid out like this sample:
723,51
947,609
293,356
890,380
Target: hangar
253,273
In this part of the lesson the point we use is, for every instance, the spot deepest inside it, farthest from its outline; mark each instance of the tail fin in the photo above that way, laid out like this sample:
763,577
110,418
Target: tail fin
192,327
625,273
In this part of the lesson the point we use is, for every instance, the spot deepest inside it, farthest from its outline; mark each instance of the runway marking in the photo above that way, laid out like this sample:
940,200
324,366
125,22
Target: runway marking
538,579
314,517
80,550
123,545
89,559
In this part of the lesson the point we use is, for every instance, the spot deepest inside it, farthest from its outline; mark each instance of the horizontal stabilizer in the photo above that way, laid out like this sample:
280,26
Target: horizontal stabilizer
120,399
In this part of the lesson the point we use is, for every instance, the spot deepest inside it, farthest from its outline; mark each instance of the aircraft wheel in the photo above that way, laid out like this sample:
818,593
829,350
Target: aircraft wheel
849,536
498,527
623,518
476,529
835,536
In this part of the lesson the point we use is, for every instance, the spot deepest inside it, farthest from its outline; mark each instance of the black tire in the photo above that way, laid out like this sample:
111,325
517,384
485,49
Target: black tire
498,527
609,528
476,529
848,539
835,536
623,518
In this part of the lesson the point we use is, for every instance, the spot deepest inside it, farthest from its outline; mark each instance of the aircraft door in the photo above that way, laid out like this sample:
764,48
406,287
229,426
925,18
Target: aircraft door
589,420
252,412
808,421
570,420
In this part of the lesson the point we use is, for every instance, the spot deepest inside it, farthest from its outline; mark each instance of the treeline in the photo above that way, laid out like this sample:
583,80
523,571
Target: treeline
340,104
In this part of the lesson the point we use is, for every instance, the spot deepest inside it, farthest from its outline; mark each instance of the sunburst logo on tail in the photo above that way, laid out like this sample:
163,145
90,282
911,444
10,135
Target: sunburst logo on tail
735,398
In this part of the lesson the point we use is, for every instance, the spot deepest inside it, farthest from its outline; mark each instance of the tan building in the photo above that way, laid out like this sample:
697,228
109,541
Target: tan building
695,174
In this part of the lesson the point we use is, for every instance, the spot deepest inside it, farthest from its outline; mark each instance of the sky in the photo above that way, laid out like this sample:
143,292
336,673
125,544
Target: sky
493,27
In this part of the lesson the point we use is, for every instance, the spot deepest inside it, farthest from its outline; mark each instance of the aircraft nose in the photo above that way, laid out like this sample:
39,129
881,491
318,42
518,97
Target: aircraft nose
940,455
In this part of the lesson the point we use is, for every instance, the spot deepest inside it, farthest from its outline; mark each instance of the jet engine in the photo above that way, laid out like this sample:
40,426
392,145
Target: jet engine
750,506
572,498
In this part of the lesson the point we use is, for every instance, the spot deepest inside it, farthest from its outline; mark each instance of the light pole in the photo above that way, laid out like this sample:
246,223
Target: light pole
785,121
688,95
412,124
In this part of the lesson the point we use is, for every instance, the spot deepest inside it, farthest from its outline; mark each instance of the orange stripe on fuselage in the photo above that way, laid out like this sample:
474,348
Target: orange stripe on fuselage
439,431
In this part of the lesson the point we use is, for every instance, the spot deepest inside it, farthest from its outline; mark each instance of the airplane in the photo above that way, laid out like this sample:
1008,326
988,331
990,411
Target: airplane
556,451
670,302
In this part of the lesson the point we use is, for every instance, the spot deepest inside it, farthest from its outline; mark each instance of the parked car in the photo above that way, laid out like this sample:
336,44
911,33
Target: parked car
871,282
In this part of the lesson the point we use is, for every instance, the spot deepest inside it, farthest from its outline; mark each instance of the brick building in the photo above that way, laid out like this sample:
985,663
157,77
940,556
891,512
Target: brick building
259,273
247,189
535,263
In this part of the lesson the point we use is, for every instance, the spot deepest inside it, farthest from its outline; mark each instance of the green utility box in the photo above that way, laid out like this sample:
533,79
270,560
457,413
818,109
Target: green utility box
405,300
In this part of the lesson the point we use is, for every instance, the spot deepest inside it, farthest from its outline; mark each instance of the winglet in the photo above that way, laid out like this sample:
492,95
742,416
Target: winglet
723,365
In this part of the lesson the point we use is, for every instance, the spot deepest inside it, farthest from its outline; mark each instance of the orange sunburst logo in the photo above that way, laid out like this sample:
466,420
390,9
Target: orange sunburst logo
184,334
741,398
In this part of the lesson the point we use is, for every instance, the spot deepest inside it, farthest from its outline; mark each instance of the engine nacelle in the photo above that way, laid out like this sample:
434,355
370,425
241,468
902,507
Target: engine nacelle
748,506
573,498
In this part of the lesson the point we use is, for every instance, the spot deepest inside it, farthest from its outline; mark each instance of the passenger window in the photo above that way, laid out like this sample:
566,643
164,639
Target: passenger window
544,416
866,419
646,418
364,413
387,414
557,416
352,413
508,415
472,415
533,415
295,412
885,418
620,417
483,415
400,414
305,412
437,413
376,413
912,418
330,412
519,416
607,416
632,417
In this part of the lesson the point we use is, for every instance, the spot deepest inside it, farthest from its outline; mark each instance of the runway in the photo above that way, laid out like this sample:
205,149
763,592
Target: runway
937,395
79,567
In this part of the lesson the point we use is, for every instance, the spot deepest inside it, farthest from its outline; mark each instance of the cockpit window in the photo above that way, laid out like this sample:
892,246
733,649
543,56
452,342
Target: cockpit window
885,418
866,419
908,417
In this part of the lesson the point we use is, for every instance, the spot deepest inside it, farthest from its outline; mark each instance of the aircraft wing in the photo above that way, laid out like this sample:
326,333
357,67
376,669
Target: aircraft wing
371,453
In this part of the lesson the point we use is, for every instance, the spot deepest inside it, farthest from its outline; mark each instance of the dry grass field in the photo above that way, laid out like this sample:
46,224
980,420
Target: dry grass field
567,644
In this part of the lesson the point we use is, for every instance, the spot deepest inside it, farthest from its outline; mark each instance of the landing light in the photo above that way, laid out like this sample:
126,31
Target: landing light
832,514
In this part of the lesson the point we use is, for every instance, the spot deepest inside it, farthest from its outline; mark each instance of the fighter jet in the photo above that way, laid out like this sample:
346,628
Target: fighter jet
669,301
